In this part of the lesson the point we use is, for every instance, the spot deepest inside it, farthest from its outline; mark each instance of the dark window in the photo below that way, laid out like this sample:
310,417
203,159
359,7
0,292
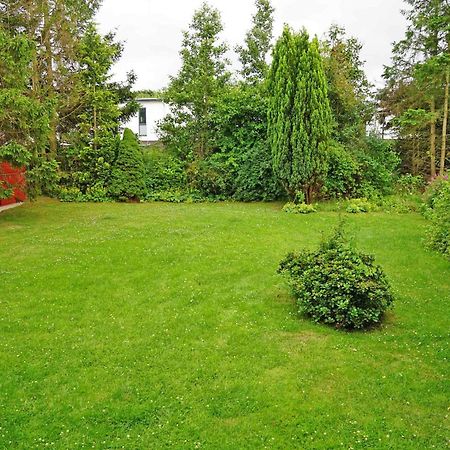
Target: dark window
143,116
143,122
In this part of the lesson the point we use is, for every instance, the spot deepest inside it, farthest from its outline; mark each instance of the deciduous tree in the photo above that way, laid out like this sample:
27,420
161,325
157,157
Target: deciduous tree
193,92
258,42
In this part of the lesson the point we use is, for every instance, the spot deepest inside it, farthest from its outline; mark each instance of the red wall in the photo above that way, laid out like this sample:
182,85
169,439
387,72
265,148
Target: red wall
16,177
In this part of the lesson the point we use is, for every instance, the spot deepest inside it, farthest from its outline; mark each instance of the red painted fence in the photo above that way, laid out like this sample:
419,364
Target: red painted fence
12,177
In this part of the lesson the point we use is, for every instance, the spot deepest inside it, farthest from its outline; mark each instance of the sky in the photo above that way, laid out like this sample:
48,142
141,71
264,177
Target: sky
152,30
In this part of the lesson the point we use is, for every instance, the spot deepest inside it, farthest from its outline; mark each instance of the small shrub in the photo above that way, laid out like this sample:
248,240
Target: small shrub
300,208
70,194
96,193
338,285
400,204
438,211
359,205
433,190
410,184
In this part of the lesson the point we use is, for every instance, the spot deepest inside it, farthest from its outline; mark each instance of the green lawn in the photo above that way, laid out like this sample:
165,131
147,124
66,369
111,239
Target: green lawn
147,326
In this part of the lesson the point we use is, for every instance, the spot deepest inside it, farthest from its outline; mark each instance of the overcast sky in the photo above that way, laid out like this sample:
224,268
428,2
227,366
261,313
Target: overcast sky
152,29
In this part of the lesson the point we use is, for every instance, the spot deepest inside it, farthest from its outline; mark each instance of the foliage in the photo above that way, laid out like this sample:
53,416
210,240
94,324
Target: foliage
24,120
349,91
212,176
338,285
99,111
84,166
399,204
257,44
415,100
438,203
42,177
55,29
95,194
193,92
240,129
343,172
433,190
255,179
163,171
128,173
177,196
299,208
377,163
410,184
92,143
367,169
359,205
299,115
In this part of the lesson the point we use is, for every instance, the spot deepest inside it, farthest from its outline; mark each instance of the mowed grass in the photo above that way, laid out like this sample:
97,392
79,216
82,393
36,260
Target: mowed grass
148,326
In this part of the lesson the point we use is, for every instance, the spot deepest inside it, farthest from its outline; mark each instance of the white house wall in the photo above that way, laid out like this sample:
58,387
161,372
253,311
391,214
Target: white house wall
156,110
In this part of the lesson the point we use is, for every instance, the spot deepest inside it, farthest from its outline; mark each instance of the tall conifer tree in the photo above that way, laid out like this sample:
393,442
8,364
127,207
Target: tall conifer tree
299,116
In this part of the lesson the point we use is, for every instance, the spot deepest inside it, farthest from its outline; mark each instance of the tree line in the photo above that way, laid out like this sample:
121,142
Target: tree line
296,127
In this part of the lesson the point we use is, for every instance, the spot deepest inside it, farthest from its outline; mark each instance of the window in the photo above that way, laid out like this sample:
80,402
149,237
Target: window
142,122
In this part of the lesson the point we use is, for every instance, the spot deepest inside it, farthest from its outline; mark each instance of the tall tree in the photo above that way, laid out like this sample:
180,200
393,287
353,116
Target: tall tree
23,119
349,91
421,58
94,134
193,92
299,115
258,42
55,27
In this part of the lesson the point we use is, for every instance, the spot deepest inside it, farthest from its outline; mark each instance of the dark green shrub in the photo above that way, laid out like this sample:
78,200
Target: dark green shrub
341,179
84,167
128,173
377,167
338,285
213,176
163,171
255,179
366,169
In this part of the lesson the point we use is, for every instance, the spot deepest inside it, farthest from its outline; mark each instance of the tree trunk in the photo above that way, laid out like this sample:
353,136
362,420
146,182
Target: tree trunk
433,138
415,156
49,80
444,125
95,121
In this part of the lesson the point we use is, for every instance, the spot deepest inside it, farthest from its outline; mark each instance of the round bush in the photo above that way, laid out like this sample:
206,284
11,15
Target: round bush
338,285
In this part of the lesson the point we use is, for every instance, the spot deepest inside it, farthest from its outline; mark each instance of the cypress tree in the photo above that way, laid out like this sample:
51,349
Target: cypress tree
299,116
128,173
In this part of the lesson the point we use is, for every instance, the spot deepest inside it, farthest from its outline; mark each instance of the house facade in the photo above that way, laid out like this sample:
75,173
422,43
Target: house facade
145,122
